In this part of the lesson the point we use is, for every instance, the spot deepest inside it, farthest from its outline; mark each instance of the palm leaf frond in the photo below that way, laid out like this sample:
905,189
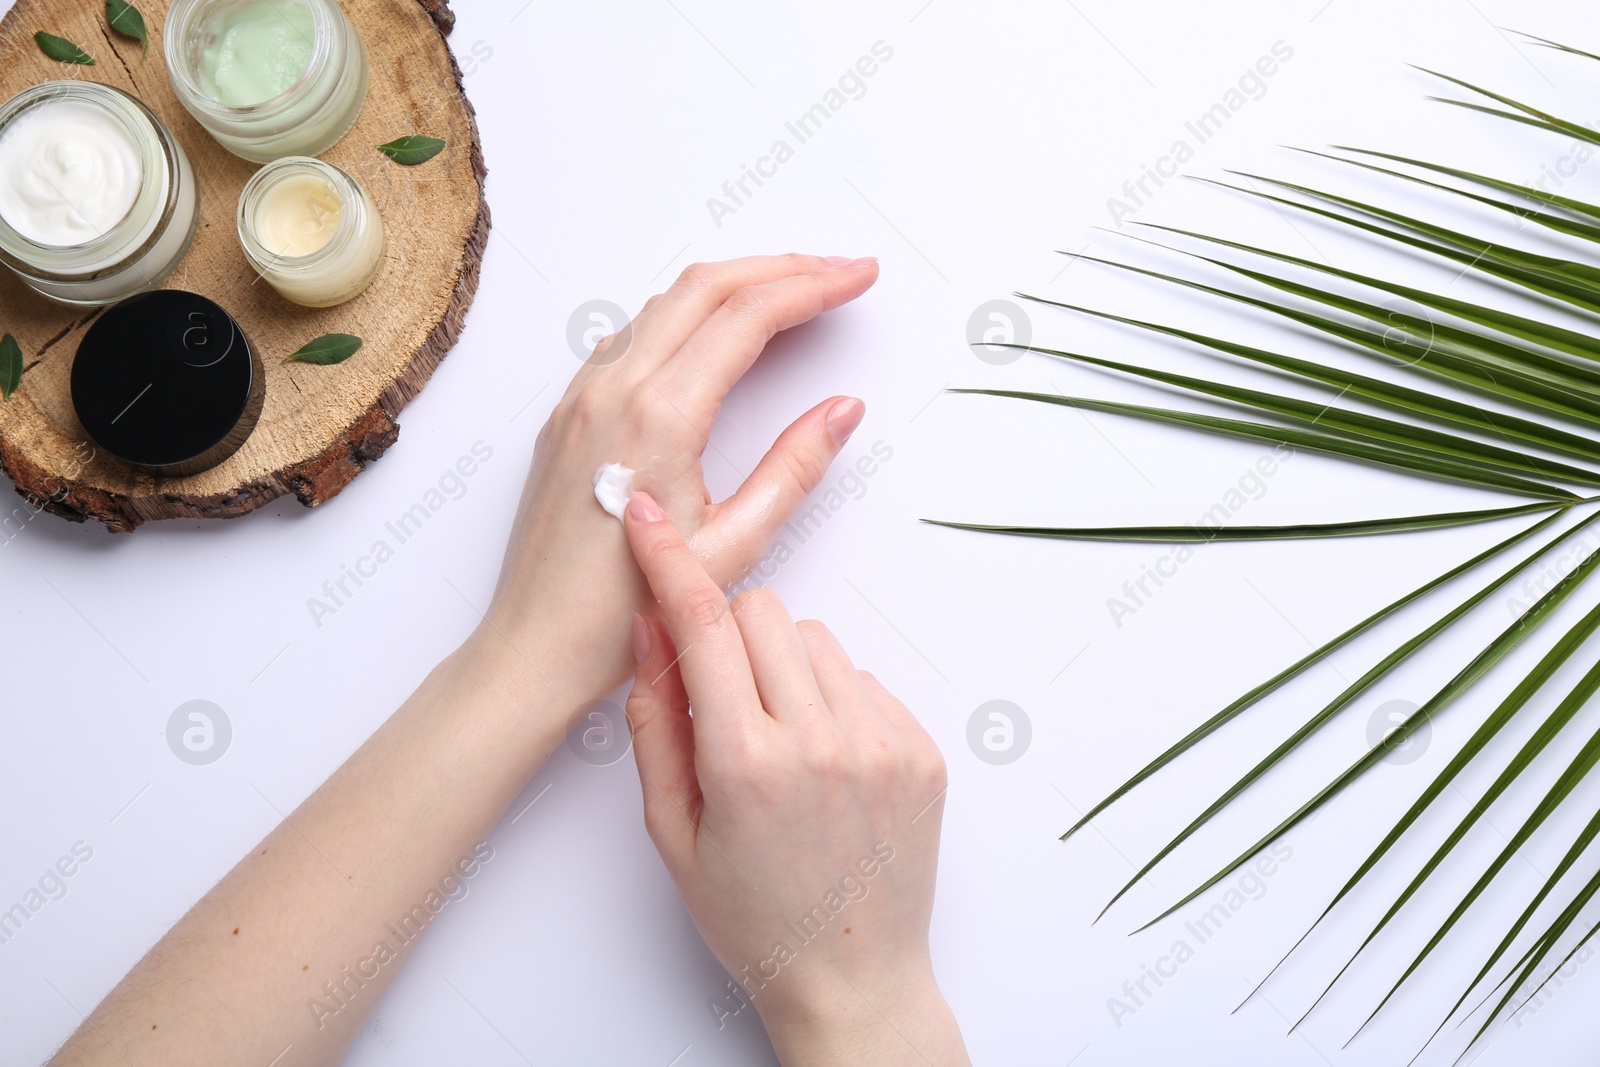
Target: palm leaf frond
1533,435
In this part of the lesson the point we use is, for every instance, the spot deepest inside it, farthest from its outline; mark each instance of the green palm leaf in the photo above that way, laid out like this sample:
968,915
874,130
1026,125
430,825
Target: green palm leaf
1539,274
1441,409
1584,940
1511,386
1557,45
1580,766
1492,654
1570,341
1578,847
1233,710
1526,120
1547,731
1544,372
1438,341
1351,423
1339,703
1530,960
1559,223
1408,459
1192,535
1580,207
1580,278
1559,125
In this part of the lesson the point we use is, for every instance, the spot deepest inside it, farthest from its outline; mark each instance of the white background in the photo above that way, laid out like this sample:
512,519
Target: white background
992,138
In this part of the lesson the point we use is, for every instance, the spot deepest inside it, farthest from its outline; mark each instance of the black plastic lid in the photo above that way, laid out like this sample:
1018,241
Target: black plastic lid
167,381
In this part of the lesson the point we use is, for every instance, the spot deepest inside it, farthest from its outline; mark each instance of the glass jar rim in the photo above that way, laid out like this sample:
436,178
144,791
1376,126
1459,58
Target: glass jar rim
157,156
352,211
177,32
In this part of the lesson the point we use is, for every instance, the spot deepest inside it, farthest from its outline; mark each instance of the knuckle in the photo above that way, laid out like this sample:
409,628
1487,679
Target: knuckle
638,707
880,755
805,467
754,305
748,299
698,278
705,608
739,765
759,600
656,553
585,406
929,766
826,759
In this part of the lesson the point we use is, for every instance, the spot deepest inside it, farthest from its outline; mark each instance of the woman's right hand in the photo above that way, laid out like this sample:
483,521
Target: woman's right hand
797,810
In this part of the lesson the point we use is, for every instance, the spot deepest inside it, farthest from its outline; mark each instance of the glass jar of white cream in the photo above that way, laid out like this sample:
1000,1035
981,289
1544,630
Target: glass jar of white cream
97,199
310,230
267,78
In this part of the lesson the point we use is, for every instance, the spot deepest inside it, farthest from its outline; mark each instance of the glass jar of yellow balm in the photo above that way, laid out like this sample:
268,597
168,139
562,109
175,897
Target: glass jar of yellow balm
311,231
97,200
267,78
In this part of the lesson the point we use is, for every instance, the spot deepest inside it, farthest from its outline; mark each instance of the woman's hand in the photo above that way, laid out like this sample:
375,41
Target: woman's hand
647,399
797,810
282,960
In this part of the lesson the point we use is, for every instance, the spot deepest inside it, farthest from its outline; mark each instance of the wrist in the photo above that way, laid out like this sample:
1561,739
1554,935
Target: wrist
573,639
535,684
890,1019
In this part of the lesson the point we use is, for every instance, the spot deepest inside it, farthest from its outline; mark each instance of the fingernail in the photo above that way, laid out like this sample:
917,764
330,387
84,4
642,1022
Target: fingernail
864,261
644,509
641,638
838,261
844,417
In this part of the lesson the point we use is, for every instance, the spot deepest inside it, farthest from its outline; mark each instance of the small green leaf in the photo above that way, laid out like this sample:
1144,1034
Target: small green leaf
126,20
62,50
10,366
327,350
412,149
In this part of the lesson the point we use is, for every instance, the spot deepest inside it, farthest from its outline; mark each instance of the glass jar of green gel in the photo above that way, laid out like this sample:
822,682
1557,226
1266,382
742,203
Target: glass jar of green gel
267,78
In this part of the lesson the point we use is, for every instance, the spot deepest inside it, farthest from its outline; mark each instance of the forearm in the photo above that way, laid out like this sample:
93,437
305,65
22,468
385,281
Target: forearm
287,955
280,963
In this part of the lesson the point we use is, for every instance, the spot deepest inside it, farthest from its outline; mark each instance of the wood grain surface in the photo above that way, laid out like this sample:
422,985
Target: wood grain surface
320,425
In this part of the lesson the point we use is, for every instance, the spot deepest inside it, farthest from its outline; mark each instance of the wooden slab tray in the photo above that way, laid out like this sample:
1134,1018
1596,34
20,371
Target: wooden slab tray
320,425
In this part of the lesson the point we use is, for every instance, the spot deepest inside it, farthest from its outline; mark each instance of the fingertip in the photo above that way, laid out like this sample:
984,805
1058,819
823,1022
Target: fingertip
843,418
642,507
844,281
863,271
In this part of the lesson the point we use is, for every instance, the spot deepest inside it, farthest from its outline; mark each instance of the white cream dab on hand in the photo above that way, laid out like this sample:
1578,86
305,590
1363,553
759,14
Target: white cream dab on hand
613,485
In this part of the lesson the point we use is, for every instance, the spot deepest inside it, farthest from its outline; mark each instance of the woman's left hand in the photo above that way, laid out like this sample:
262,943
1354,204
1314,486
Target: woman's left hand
646,399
